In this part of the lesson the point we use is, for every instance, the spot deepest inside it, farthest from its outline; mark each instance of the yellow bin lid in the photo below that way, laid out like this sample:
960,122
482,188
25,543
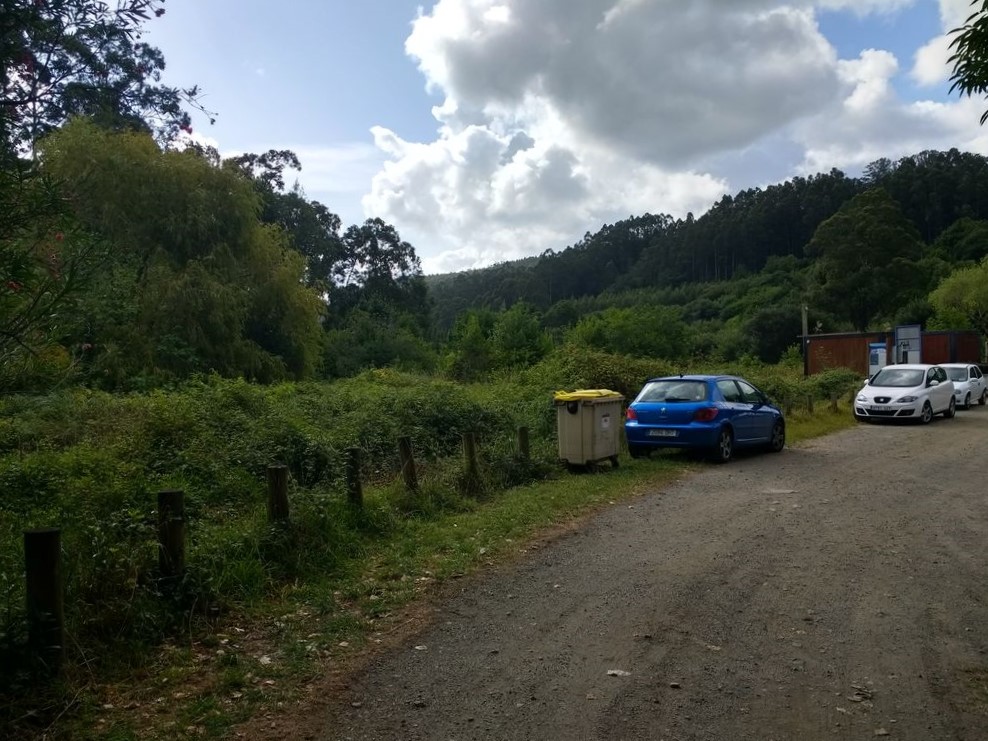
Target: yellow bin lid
583,394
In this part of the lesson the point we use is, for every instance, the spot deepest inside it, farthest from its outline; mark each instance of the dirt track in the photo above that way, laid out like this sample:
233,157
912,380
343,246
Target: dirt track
838,590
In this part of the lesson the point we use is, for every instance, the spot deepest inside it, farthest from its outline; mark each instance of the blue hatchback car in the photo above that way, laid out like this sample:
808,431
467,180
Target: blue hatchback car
714,414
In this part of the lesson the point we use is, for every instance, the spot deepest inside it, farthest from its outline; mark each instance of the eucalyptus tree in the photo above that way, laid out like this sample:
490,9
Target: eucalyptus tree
60,58
970,54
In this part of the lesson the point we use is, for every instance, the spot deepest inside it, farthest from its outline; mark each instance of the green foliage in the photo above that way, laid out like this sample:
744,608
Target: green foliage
517,339
80,57
469,352
91,461
364,341
965,239
197,283
867,259
964,296
970,54
836,381
772,329
648,331
575,367
46,258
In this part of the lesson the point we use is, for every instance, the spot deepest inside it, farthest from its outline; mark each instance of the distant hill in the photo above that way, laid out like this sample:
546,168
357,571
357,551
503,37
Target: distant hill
736,239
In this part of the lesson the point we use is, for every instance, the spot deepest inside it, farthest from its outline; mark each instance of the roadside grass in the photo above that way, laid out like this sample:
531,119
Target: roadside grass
269,656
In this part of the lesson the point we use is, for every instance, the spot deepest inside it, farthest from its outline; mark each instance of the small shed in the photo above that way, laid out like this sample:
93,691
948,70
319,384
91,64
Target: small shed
852,349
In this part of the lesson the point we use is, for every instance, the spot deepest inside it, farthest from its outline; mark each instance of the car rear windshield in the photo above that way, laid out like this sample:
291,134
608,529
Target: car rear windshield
673,391
902,377
957,374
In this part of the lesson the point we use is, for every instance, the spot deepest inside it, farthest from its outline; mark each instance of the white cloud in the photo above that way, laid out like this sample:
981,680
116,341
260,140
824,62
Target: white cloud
475,197
930,65
871,122
560,116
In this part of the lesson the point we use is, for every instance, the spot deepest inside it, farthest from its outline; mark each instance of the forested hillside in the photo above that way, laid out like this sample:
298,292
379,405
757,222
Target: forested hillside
859,252
738,236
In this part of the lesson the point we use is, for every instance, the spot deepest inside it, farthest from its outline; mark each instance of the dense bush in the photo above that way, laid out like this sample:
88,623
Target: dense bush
91,462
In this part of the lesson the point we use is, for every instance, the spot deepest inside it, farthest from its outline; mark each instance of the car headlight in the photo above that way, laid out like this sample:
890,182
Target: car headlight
908,399
862,397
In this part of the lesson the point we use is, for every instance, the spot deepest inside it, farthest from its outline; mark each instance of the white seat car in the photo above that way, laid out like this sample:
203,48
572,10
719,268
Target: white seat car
969,383
913,391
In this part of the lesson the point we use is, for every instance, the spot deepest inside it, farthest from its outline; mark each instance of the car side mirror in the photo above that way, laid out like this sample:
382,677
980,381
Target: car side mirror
933,383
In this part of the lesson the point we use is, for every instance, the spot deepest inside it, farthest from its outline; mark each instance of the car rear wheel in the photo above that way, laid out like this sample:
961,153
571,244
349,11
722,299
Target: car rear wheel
926,416
724,449
967,401
778,441
983,398
951,409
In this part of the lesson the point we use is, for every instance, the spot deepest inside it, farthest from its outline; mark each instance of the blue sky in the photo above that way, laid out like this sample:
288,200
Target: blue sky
488,130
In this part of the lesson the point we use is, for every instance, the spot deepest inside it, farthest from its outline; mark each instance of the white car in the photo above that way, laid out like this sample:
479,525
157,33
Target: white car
909,391
969,383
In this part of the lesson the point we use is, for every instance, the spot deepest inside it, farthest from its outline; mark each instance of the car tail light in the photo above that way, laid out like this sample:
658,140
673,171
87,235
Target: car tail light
631,414
705,414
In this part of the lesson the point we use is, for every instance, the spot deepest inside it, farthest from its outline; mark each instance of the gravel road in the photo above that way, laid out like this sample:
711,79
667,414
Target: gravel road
834,591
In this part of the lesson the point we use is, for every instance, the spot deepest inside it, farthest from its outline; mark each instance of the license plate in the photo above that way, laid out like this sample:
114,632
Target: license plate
876,408
663,433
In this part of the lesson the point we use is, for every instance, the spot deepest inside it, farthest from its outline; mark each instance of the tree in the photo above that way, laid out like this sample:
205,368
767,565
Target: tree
866,259
772,330
379,272
267,170
964,295
313,229
648,331
46,258
970,57
60,58
196,283
966,239
470,354
363,341
517,339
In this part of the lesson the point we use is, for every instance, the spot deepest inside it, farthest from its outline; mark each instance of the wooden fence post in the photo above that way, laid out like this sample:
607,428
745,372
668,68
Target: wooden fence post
809,403
354,492
787,404
45,598
277,493
834,398
523,449
407,463
171,533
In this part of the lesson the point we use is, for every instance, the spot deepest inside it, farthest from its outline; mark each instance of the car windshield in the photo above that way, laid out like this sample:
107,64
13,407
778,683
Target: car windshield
901,377
957,374
672,391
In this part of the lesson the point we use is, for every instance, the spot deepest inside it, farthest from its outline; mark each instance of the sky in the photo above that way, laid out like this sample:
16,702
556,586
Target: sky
491,130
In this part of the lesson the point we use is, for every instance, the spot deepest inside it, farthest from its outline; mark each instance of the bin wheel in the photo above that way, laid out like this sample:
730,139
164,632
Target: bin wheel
614,461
